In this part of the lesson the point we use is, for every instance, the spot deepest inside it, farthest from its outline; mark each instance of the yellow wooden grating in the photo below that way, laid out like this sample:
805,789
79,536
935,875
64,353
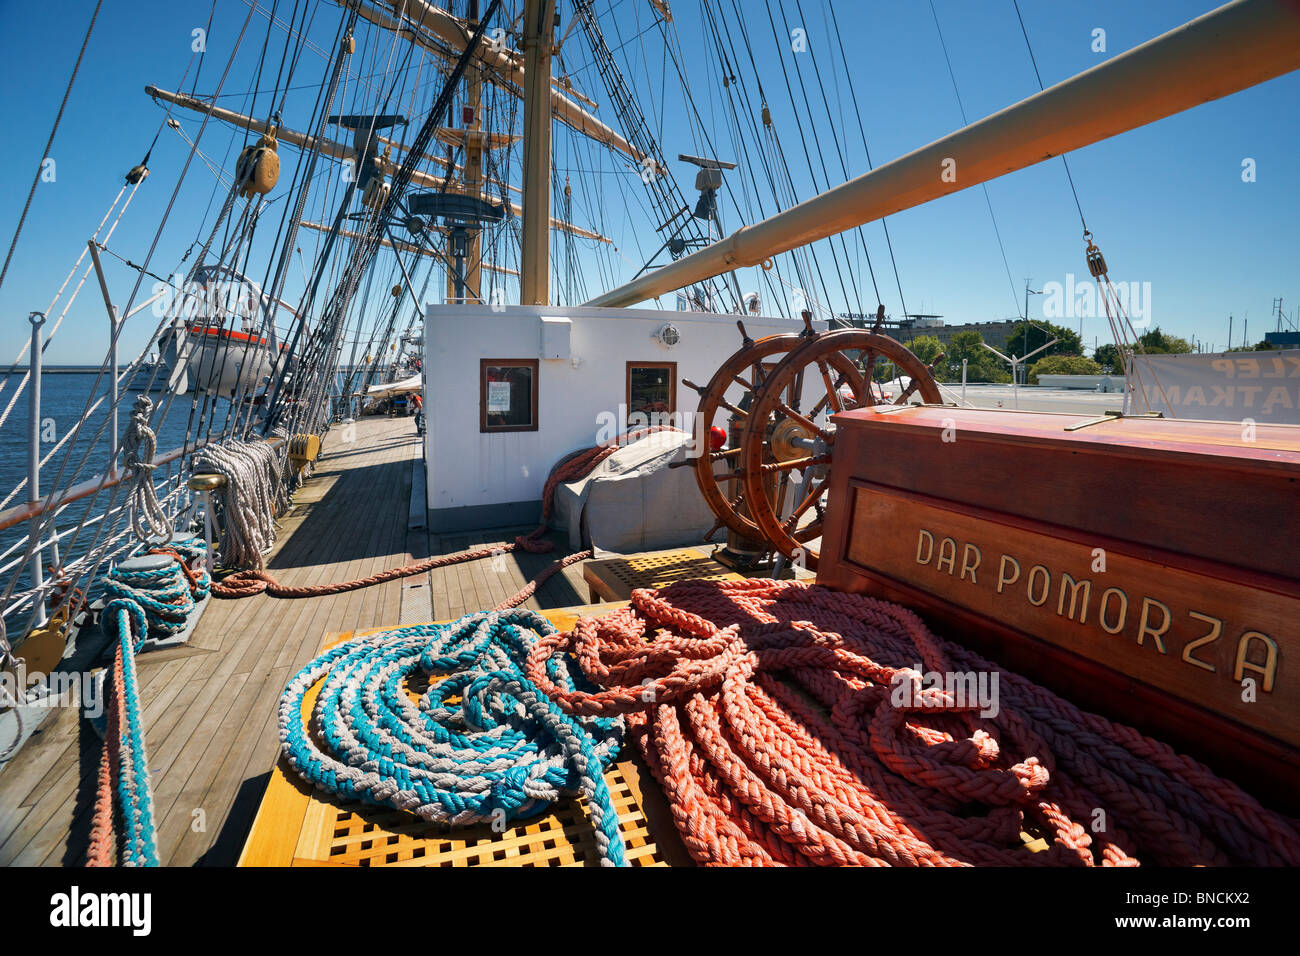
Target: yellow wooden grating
616,578
299,826
371,836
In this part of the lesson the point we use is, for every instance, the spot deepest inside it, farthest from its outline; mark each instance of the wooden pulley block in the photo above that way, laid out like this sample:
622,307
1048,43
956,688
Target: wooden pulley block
258,167
376,193
303,449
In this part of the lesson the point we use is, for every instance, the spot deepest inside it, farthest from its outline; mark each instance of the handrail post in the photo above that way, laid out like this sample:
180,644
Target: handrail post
37,319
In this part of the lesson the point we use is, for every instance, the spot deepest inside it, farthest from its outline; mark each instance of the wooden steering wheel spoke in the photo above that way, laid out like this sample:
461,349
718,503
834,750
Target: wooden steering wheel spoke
779,439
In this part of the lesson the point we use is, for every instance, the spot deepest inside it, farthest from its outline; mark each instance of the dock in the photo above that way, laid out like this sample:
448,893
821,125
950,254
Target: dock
210,705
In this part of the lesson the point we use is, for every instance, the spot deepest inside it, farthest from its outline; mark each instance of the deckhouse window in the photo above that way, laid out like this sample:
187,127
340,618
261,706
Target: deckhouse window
652,388
508,395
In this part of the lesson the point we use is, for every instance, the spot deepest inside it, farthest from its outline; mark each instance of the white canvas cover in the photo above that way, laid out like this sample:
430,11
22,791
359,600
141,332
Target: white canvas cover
1224,386
404,387
633,501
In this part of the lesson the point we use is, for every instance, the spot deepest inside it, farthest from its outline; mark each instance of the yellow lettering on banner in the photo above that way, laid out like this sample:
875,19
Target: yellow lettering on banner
967,553
1123,610
1268,670
947,555
1145,628
1216,628
1074,586
1003,580
925,540
1047,585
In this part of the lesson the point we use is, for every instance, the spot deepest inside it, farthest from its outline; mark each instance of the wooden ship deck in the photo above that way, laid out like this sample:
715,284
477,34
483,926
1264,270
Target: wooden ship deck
210,705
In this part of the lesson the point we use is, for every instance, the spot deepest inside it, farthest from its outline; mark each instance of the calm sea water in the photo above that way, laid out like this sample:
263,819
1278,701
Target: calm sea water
64,397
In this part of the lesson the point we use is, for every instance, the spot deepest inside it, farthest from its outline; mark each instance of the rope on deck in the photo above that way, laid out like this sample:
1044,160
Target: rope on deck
830,765
254,496
139,602
482,746
247,583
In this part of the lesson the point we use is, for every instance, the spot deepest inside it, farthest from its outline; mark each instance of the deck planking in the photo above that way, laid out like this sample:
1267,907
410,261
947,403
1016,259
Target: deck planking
210,706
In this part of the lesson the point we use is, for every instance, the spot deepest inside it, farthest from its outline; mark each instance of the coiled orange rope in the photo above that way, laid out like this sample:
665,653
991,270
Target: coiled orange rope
765,710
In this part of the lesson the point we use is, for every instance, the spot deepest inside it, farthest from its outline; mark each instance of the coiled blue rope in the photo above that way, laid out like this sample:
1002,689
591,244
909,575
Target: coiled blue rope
504,752
164,594
134,793
140,602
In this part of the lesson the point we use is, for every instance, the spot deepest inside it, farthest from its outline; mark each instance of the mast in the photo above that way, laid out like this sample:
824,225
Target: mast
474,163
502,65
1229,49
539,35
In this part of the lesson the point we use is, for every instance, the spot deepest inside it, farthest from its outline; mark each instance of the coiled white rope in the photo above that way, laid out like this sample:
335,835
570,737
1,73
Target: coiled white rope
254,497
148,520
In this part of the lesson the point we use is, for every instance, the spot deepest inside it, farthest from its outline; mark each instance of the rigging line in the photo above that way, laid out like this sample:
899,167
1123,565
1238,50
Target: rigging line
1039,77
13,368
839,150
816,261
853,93
1015,293
58,118
749,113
45,516
817,142
730,69
799,259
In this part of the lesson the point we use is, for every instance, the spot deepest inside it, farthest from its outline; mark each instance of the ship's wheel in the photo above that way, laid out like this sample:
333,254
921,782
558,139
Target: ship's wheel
747,368
787,446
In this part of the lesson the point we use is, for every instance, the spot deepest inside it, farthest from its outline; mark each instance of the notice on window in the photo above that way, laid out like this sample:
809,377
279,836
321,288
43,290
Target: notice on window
498,396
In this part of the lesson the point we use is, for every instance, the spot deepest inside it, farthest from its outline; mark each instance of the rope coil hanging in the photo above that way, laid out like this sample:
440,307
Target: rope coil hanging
254,497
148,520
482,746
758,772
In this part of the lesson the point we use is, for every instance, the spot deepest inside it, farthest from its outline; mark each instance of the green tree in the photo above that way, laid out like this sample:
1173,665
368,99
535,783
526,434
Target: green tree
925,347
1027,336
1160,343
1261,346
981,364
1062,365
1109,355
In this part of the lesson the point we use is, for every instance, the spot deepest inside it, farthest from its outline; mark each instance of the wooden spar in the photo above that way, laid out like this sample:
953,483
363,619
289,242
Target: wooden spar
1237,46
535,258
329,147
502,63
405,247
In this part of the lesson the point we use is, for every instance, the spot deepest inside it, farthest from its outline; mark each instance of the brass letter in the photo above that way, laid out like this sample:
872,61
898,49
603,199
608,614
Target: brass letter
1047,585
1268,669
1074,586
1003,580
926,539
1144,627
947,555
1216,628
1123,610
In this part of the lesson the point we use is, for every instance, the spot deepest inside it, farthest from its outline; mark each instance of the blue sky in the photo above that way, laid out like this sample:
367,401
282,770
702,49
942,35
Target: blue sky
1166,202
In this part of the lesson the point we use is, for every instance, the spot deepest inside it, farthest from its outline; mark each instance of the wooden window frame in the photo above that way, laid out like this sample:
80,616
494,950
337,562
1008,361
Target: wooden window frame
483,365
672,384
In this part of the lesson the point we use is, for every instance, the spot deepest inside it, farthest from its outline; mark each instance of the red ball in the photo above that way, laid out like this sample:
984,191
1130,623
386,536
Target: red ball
717,437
